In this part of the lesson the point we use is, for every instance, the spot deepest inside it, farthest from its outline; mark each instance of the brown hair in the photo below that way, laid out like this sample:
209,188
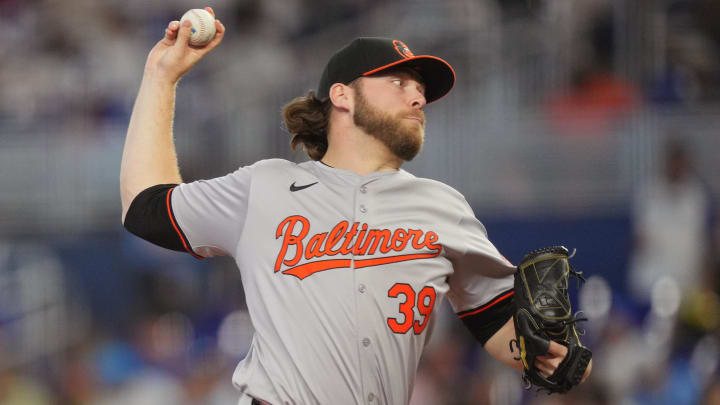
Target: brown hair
306,119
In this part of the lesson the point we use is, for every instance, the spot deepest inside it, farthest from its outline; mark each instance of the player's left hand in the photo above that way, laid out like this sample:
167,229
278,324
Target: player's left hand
549,347
548,363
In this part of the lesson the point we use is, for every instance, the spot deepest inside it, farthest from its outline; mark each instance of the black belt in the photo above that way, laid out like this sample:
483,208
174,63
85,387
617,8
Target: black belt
255,402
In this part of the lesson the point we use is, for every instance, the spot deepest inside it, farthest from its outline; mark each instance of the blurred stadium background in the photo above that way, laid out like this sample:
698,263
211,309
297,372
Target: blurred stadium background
588,123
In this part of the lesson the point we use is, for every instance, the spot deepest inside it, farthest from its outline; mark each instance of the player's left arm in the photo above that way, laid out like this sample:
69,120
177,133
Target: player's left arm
484,294
492,325
498,346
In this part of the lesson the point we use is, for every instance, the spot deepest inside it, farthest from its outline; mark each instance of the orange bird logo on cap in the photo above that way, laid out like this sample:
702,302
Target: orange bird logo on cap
402,49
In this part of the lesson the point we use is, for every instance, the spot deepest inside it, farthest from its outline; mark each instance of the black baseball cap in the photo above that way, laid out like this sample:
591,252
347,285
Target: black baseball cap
366,56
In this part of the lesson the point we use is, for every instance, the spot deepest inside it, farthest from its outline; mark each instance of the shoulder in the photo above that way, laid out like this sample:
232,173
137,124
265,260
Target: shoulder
426,182
270,167
437,188
273,164
440,187
243,176
269,173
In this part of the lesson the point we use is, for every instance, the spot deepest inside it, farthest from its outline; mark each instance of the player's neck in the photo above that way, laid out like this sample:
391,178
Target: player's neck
360,153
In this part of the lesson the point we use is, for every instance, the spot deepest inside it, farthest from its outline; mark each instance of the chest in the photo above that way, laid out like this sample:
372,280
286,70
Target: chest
308,226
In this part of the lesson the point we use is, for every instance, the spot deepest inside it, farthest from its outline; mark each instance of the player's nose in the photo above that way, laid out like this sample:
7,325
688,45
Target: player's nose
417,100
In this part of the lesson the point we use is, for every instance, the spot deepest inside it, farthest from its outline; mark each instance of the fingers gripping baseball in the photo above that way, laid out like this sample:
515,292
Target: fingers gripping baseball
171,33
183,37
173,55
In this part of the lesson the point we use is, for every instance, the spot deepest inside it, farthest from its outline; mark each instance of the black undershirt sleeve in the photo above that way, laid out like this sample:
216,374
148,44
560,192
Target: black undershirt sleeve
485,320
150,217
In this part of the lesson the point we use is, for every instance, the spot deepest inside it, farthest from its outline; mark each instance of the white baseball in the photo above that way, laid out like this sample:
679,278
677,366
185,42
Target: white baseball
203,26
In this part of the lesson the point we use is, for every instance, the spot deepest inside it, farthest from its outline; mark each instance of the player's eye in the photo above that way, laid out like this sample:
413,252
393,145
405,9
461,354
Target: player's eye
397,81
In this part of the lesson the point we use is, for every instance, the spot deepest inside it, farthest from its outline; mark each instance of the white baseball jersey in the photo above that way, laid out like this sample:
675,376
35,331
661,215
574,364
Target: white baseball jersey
342,273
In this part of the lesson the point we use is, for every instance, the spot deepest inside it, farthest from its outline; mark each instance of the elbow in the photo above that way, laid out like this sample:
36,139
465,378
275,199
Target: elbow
123,215
126,198
588,370
129,190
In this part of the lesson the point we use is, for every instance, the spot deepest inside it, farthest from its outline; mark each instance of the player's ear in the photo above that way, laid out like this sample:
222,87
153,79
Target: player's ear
341,97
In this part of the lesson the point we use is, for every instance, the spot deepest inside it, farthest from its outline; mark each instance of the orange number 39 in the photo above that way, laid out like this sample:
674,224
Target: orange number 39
425,303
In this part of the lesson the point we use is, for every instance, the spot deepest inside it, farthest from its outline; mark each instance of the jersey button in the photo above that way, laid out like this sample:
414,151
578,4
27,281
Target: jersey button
363,189
363,209
361,288
366,342
371,396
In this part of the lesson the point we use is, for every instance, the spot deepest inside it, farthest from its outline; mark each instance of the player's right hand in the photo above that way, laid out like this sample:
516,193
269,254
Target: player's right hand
173,55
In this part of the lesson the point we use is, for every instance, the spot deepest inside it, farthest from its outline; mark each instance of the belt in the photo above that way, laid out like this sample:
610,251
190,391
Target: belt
259,402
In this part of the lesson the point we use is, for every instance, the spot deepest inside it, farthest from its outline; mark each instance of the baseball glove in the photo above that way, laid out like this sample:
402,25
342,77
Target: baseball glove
543,313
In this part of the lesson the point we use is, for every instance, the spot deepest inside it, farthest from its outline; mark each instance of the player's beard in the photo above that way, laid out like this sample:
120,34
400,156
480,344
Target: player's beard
403,137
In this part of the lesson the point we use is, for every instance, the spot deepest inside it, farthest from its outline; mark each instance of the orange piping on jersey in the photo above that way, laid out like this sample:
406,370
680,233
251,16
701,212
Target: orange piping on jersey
488,305
172,220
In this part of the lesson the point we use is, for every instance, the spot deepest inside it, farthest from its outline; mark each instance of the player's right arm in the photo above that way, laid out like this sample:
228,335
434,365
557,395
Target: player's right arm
149,155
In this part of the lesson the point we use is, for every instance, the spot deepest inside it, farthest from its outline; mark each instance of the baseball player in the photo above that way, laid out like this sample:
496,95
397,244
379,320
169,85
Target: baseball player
345,258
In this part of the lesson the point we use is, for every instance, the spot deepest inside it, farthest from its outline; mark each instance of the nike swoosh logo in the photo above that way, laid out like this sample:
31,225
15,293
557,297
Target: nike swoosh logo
294,188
